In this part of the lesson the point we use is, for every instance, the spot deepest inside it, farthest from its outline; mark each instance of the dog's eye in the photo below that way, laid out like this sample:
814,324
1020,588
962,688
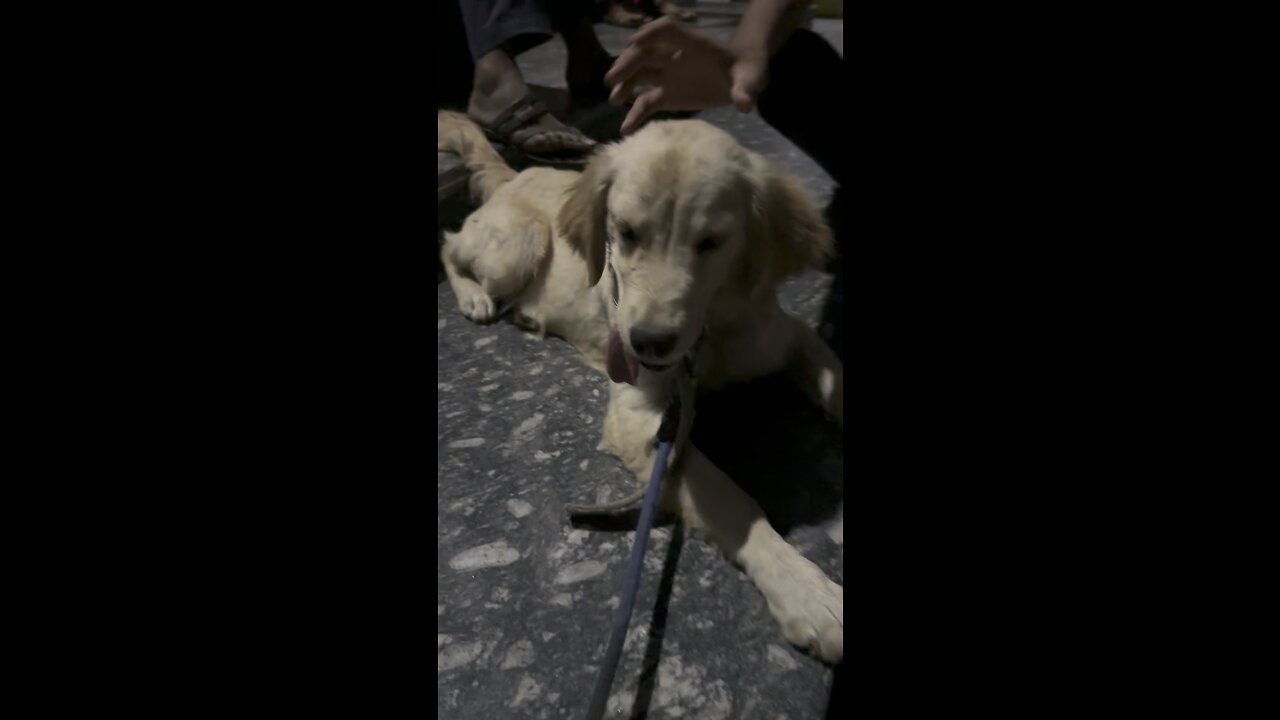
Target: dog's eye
706,245
626,234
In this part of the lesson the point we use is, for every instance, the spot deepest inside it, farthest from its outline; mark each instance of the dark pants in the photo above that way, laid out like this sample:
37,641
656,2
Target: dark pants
467,29
813,120
494,23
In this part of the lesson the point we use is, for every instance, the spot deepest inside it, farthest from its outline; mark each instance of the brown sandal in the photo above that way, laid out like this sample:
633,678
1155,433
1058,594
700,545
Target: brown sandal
520,116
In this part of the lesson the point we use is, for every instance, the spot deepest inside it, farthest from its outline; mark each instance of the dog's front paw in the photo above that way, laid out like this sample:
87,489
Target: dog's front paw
810,609
478,307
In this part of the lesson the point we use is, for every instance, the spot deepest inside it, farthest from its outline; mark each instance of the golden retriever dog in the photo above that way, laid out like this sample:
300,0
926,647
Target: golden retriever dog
674,238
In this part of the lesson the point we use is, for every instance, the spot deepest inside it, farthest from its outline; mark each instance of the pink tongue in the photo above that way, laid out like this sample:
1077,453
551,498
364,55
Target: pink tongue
622,367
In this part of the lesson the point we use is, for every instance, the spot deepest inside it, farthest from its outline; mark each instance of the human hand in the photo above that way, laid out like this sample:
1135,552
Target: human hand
684,70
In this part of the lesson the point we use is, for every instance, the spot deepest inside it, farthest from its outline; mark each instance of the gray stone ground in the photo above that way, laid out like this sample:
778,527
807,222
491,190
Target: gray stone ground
525,600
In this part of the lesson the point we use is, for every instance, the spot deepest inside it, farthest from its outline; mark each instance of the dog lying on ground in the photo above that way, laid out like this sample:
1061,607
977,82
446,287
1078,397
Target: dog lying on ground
674,238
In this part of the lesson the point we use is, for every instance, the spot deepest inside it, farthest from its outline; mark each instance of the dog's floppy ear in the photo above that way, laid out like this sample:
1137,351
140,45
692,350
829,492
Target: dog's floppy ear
582,216
787,234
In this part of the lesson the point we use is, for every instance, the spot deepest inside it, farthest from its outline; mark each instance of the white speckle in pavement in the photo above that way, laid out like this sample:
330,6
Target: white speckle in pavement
684,684
528,690
525,430
520,655
495,554
580,571
467,443
780,657
620,702
453,656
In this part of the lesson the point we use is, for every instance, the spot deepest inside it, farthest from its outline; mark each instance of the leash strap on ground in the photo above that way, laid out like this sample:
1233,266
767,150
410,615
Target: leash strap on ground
631,580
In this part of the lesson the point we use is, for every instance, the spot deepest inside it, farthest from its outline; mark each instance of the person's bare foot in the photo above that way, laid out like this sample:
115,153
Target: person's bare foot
667,7
620,15
498,87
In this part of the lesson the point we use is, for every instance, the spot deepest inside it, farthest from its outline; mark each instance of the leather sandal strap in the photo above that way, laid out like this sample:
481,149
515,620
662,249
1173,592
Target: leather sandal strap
517,116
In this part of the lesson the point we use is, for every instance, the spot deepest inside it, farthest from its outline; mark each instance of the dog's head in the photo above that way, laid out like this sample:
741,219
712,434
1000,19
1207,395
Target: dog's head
688,224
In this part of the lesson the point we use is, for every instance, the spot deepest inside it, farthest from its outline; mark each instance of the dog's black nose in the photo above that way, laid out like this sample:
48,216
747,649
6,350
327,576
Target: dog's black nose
652,343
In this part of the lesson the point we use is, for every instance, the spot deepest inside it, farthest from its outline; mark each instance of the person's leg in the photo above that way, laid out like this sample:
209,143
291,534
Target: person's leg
794,105
496,31
815,124
515,25
454,68
588,60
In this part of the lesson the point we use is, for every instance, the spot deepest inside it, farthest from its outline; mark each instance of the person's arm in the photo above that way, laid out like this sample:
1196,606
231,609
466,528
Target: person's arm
767,24
687,70
765,27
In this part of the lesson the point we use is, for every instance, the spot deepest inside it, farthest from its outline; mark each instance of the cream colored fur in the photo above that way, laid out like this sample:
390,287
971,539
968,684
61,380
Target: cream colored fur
539,245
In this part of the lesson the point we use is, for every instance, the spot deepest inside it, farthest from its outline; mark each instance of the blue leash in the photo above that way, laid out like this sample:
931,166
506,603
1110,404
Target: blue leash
631,580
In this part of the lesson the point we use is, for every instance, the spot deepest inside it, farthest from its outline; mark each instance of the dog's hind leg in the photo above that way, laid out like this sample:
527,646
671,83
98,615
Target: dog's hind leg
473,301
491,261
